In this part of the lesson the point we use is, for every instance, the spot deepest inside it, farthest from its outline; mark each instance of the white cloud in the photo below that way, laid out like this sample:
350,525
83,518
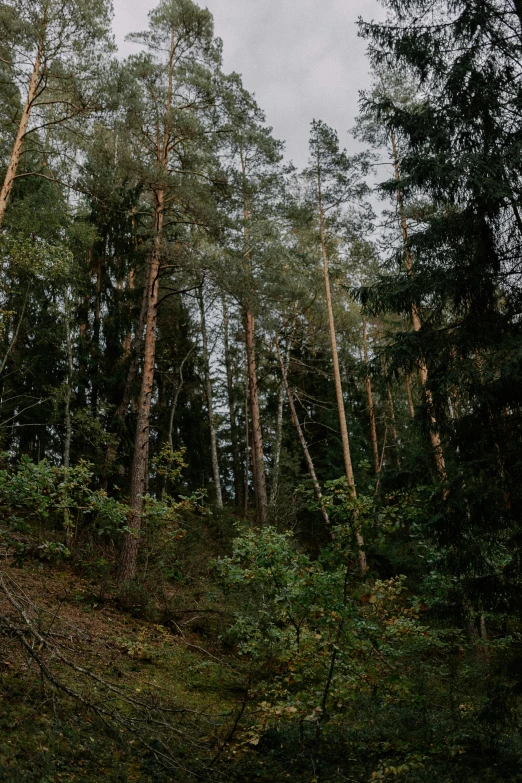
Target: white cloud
302,59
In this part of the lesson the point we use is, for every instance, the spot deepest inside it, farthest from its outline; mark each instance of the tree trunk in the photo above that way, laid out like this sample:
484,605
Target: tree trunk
129,553
247,450
276,467
393,424
96,346
136,354
337,372
210,406
257,435
179,387
302,439
16,151
435,438
16,332
371,408
411,407
68,421
236,459
258,463
127,343
68,392
121,411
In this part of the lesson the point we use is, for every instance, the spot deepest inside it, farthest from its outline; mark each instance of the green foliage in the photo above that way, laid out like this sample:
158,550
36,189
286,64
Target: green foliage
39,494
170,464
412,670
39,258
333,652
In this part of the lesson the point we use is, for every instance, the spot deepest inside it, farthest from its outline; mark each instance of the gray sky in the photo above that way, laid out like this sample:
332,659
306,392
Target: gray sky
301,58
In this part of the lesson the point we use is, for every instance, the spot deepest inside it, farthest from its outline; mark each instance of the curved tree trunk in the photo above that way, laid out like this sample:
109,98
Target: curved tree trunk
302,439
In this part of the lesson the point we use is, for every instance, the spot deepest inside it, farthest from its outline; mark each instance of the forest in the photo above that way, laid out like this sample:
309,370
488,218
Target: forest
260,424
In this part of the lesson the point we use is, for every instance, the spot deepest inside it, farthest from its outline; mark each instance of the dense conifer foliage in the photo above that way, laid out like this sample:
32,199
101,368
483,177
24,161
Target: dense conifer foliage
260,428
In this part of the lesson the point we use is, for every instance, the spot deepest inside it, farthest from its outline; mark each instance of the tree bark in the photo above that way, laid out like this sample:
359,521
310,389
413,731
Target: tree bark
435,438
302,439
247,449
129,553
210,406
96,344
371,407
258,463
16,151
337,370
127,343
257,435
236,459
68,392
136,353
68,421
139,471
276,467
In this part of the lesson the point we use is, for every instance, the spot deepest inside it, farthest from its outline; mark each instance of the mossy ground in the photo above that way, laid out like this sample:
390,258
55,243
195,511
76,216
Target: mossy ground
47,737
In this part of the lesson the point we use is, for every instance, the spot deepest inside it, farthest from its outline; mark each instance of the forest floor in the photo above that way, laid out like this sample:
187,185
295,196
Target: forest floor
119,672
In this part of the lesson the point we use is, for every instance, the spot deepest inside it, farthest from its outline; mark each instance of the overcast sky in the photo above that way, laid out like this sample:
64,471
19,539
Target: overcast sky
301,58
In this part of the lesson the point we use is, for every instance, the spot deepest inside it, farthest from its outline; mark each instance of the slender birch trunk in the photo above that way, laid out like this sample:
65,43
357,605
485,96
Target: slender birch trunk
435,438
210,406
371,407
173,407
300,433
257,434
337,370
16,333
276,467
16,152
236,459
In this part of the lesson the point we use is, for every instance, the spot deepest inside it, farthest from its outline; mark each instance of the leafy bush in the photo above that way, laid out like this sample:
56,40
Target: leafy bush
44,495
348,665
